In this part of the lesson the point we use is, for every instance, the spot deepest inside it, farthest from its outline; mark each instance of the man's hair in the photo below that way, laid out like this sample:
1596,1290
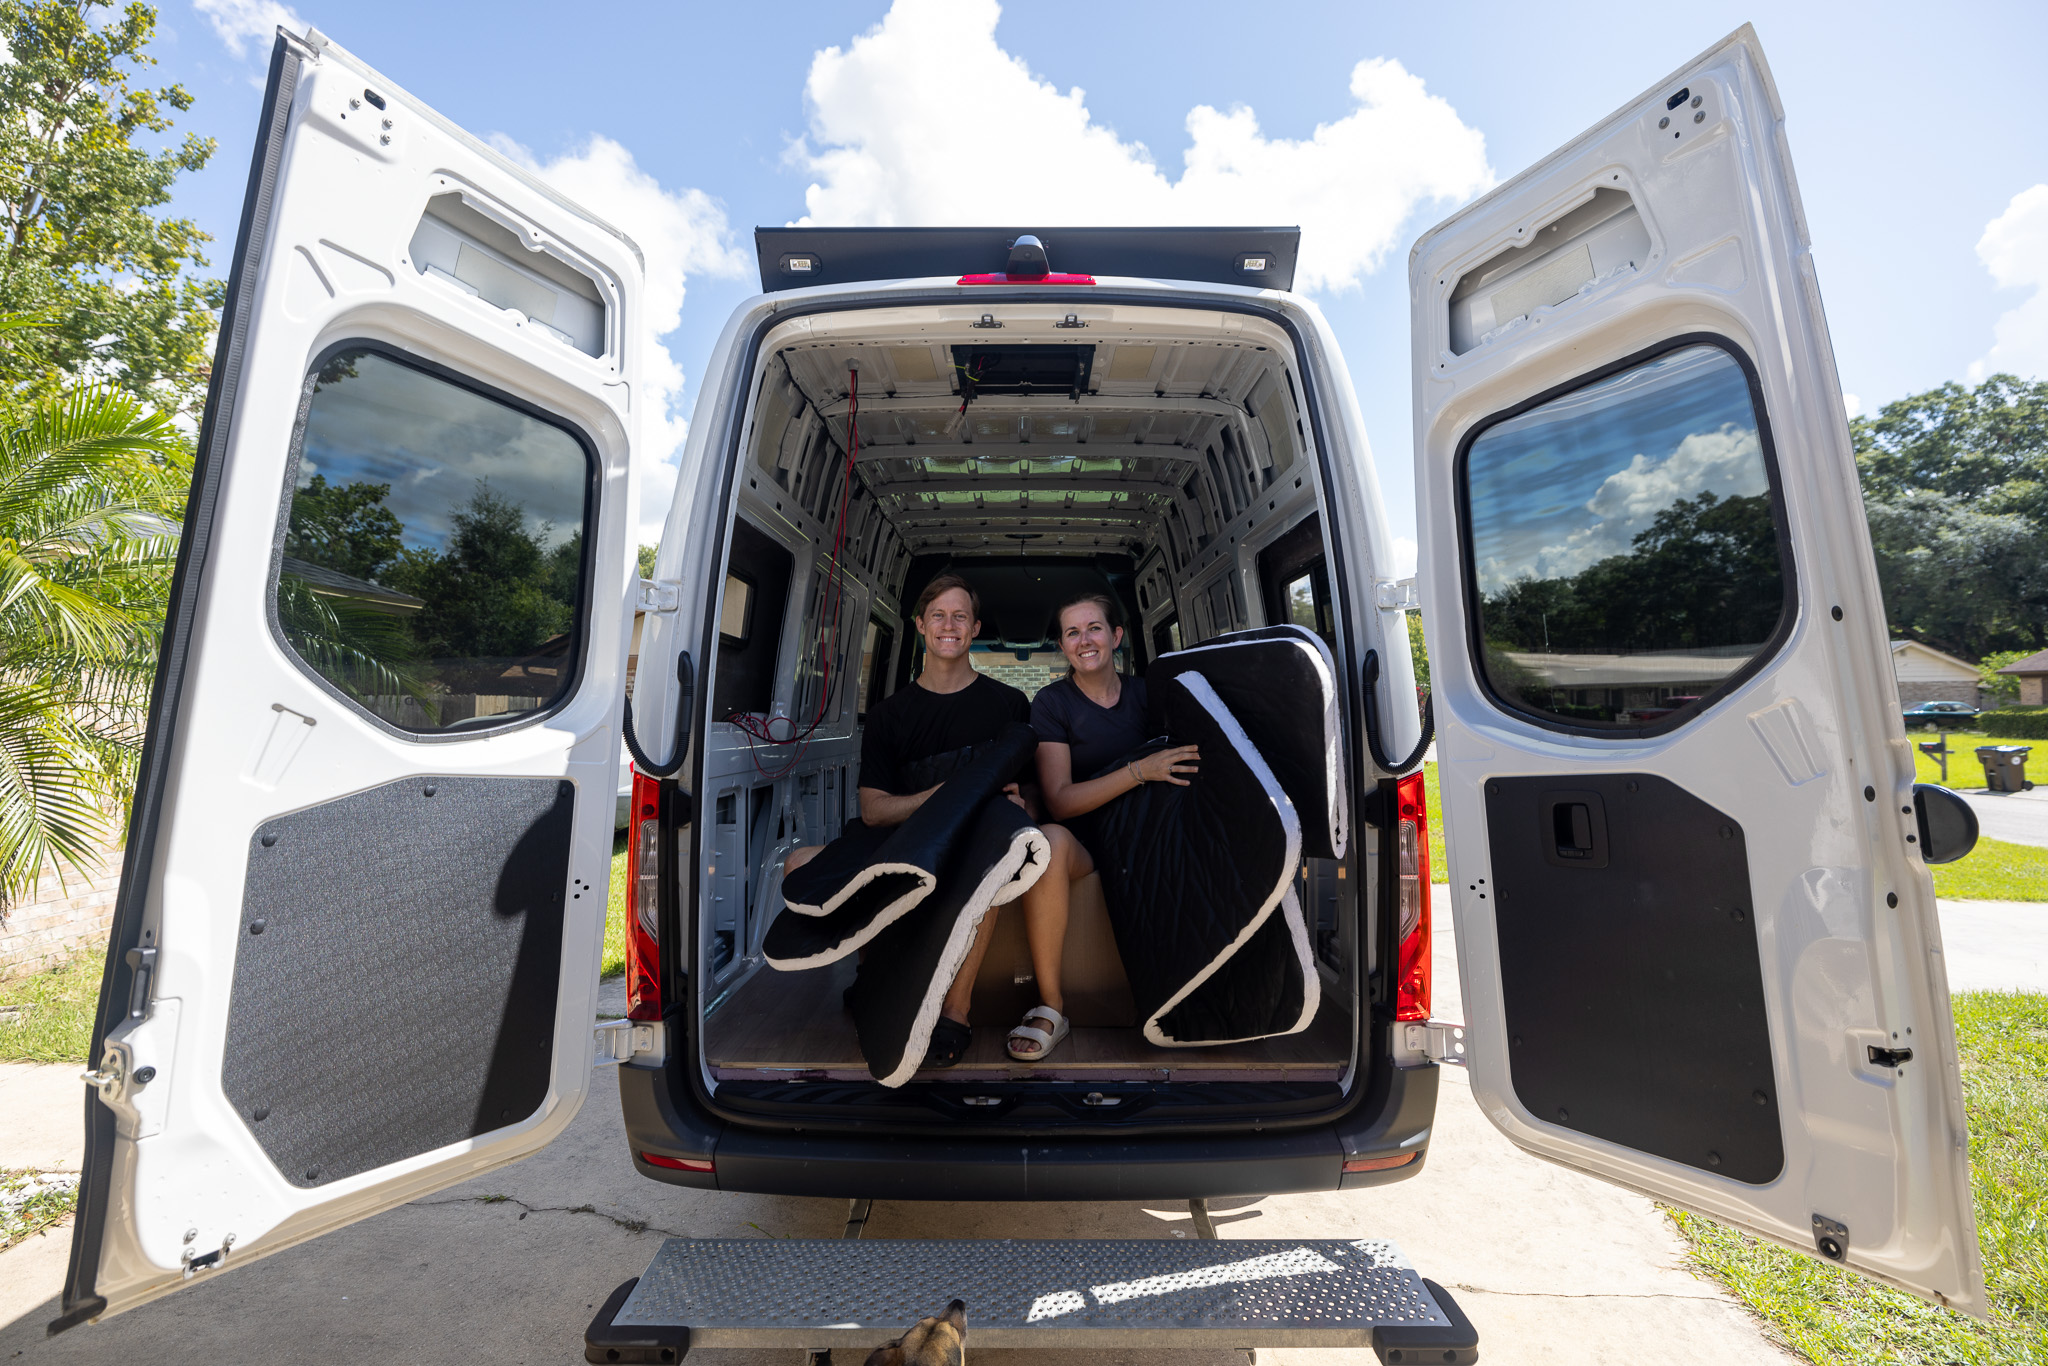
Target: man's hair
946,583
1112,611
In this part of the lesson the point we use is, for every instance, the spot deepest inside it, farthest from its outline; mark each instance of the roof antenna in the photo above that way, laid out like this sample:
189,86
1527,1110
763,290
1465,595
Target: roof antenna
1027,259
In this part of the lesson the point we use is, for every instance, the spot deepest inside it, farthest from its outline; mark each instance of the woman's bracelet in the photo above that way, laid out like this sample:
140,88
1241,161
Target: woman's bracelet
1136,776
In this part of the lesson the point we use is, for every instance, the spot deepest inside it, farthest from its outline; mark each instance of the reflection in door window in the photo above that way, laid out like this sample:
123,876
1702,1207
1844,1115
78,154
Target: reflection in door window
433,555
1625,554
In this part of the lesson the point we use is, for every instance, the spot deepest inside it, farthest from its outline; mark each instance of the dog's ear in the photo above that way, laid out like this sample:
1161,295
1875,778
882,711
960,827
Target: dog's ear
956,1314
888,1354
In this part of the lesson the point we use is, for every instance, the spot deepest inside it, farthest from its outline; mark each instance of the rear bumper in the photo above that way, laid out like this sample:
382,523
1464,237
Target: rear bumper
1393,1120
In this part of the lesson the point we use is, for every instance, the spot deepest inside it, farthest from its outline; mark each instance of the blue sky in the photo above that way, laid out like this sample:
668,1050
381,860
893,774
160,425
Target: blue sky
1919,145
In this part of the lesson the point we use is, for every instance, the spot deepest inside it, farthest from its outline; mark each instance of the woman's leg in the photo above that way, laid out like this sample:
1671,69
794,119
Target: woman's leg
1045,917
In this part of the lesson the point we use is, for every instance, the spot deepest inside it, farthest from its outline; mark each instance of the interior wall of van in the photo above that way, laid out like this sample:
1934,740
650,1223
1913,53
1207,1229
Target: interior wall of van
1163,454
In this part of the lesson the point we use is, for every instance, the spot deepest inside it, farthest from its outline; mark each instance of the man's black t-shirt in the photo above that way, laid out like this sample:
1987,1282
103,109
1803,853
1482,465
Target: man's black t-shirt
1096,736
914,723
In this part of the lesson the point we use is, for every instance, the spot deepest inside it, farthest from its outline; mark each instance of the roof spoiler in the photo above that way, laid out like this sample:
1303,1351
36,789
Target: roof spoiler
792,258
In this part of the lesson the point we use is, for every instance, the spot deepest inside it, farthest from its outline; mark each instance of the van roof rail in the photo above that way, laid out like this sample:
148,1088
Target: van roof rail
792,258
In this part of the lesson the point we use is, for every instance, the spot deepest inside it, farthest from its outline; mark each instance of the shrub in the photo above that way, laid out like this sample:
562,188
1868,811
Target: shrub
2030,724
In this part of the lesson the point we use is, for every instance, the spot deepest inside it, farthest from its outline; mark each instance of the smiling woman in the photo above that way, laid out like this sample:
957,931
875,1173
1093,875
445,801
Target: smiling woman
432,563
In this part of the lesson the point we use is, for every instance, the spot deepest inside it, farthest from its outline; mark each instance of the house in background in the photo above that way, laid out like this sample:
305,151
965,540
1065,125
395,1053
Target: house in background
1926,674
2032,672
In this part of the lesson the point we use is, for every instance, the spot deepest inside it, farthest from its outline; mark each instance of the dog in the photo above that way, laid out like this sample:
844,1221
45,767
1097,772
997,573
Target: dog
931,1342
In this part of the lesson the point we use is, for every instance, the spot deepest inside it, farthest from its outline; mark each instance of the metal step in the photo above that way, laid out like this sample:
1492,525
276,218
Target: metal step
821,1294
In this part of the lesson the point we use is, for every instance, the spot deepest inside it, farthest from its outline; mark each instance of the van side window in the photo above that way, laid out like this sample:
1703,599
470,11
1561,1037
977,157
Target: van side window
433,564
759,569
1625,552
1294,580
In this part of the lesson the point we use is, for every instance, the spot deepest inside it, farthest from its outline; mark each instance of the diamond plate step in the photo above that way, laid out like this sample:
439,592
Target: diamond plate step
818,1294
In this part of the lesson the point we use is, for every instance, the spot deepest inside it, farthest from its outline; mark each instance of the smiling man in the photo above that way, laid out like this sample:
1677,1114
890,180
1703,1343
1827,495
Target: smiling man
948,708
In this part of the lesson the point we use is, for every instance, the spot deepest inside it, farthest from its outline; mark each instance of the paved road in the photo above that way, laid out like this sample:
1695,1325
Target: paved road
2016,817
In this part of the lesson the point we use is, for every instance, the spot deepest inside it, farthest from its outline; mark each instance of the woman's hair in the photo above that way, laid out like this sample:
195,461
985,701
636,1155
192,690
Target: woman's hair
1112,612
946,583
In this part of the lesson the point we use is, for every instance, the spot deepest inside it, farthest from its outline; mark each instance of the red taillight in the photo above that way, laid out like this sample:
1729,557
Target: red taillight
1412,932
680,1164
1377,1164
643,901
1027,279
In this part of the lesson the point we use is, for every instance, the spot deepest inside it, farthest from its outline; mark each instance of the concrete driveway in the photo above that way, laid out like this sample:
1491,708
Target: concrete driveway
1550,1265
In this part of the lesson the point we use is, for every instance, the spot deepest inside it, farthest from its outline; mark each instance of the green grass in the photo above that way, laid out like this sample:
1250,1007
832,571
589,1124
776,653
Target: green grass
1834,1318
1995,871
1439,862
32,1201
614,961
56,1011
1964,771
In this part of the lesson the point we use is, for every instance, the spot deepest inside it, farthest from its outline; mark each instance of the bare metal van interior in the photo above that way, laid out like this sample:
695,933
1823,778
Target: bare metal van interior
1167,454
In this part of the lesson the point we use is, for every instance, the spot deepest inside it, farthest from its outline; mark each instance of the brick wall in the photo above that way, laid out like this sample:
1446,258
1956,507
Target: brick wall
41,932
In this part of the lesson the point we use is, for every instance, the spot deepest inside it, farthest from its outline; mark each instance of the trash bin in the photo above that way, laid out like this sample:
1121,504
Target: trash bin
2005,767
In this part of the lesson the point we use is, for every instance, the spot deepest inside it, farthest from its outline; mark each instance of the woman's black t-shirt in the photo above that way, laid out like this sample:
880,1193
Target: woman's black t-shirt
1097,736
914,723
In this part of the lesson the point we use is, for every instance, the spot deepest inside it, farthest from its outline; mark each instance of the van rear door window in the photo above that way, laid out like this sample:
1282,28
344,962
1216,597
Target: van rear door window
1625,545
433,564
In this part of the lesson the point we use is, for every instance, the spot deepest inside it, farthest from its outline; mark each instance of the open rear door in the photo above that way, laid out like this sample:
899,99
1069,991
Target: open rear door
1698,940
355,952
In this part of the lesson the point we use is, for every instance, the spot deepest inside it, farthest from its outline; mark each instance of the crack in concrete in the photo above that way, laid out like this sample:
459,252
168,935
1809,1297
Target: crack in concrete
629,1225
1591,1294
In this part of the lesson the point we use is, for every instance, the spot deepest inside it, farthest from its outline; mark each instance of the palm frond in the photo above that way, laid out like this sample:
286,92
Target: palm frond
365,650
52,788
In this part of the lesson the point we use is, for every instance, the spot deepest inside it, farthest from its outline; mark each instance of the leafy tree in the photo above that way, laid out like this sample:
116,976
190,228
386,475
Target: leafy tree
82,247
1955,483
2002,687
91,489
344,527
647,553
489,594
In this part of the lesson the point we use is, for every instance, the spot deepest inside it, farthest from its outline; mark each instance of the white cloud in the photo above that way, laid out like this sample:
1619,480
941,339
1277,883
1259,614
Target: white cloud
678,232
2014,248
914,123
1852,406
1404,556
241,22
1727,463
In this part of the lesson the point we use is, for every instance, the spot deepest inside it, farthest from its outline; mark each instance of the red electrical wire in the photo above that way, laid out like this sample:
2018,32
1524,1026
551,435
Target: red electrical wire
762,730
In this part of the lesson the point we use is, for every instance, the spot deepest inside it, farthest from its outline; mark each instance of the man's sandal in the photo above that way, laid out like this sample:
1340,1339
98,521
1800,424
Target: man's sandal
949,1043
1046,1041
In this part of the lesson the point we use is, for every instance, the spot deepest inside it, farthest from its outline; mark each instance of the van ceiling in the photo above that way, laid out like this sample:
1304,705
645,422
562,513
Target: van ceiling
1168,433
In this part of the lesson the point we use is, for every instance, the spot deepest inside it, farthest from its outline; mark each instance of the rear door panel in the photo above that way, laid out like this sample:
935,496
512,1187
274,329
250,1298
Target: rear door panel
1693,922
356,950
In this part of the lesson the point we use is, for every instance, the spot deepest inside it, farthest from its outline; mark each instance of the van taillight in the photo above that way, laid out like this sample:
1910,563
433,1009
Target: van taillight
643,901
1412,933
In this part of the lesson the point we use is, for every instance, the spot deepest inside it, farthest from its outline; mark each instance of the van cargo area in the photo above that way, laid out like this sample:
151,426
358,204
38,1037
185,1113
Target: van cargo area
1164,454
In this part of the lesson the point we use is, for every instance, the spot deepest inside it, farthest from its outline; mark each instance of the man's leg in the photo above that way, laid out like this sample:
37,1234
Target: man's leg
797,858
1045,918
962,993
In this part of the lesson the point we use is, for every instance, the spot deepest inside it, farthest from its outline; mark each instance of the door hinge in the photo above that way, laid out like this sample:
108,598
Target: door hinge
624,1040
1397,595
658,595
1437,1040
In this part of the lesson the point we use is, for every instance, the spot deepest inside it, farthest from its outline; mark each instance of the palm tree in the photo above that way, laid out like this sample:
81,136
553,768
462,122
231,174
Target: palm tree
92,488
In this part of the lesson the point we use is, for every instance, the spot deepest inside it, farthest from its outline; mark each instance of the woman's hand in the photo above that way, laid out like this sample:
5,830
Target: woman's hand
1164,765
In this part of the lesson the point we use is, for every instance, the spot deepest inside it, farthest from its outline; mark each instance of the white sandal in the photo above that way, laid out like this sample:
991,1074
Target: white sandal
1046,1042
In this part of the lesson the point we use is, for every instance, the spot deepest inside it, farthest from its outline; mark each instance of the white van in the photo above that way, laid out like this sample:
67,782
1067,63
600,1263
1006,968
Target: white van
355,955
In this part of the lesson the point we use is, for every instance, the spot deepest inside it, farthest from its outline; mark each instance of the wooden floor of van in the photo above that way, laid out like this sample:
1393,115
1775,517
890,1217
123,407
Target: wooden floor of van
774,1024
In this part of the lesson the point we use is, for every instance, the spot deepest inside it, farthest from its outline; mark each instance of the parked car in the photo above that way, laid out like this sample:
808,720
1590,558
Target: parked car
1686,969
1942,715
